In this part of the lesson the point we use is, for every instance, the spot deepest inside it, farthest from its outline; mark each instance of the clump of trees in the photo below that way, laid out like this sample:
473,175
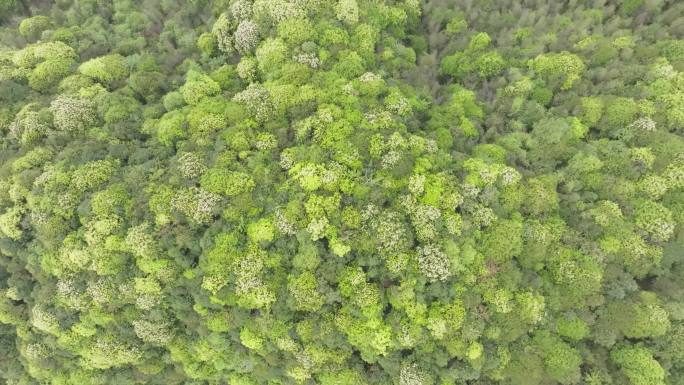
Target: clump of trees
347,192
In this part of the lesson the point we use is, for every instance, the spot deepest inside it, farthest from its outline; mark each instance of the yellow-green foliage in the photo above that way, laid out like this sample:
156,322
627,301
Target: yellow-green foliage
564,66
31,27
226,182
197,87
638,365
347,192
105,69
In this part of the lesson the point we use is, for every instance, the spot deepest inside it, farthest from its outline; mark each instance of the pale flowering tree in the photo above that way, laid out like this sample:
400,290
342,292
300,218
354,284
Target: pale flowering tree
191,165
223,32
411,374
434,263
246,36
257,100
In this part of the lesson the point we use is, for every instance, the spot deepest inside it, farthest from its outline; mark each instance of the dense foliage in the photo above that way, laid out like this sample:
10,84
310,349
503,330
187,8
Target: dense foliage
342,192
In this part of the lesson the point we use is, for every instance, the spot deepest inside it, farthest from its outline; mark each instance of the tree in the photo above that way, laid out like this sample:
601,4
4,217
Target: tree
561,361
31,27
73,114
564,68
638,365
106,69
348,192
304,292
197,87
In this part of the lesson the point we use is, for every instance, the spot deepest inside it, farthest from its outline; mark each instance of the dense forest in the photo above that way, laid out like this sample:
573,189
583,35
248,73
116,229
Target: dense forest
342,192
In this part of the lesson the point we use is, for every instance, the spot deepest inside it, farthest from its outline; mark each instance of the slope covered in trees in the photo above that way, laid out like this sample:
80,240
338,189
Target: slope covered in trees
342,192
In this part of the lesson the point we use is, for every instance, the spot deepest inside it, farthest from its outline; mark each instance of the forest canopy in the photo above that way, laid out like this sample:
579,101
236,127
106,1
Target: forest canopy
342,192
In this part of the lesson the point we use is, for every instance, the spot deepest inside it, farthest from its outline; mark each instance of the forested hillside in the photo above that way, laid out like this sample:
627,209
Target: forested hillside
342,192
